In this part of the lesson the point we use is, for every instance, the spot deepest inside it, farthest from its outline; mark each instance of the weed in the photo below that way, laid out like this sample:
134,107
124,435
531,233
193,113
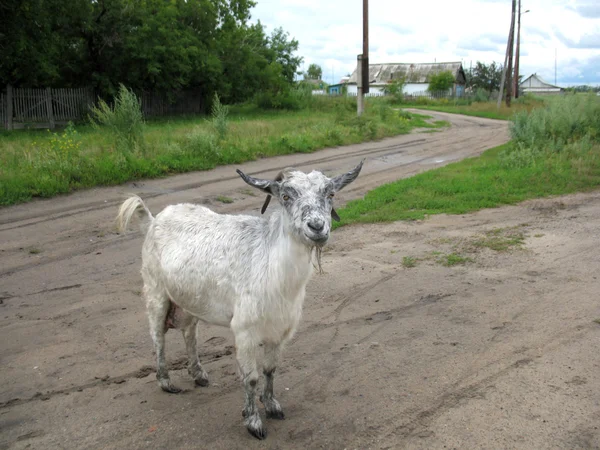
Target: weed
224,199
124,120
453,259
501,239
597,321
219,120
34,251
539,235
409,261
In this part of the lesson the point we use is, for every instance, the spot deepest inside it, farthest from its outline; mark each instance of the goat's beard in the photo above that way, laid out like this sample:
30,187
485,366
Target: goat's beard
318,251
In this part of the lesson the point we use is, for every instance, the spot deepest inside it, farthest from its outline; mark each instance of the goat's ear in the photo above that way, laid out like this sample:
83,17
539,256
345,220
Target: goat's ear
334,215
341,181
265,204
264,185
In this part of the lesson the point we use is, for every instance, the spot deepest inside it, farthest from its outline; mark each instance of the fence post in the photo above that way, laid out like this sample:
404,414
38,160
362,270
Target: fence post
49,108
9,107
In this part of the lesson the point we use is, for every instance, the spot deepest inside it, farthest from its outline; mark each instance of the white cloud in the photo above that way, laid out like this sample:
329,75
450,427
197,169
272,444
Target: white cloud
330,33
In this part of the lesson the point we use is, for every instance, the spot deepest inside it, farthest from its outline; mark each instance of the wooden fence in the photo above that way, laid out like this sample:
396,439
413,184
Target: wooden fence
43,108
46,108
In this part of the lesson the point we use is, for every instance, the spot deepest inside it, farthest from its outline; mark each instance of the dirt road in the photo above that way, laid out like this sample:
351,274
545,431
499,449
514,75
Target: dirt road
501,352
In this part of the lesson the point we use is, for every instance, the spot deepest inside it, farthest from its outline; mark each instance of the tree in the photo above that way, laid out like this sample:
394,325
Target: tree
314,72
282,52
157,45
485,76
441,81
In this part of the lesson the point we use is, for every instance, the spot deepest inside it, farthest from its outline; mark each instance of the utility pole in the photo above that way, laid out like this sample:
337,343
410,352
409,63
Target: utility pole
510,55
362,72
512,25
516,81
517,58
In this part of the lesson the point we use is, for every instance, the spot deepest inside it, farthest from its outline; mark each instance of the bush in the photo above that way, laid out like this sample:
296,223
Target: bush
219,120
563,120
124,120
481,96
288,98
441,81
566,125
395,90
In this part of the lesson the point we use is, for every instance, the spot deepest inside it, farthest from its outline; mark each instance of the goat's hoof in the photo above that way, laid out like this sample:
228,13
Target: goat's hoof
258,433
275,414
168,387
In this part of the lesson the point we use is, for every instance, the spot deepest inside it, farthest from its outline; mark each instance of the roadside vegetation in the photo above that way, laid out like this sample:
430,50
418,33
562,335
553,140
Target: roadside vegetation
554,150
118,145
478,108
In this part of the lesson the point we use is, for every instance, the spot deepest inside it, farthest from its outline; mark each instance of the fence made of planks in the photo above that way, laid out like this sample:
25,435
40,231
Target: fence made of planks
49,107
43,108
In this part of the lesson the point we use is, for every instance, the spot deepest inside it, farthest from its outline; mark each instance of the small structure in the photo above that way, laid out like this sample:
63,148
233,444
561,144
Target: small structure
338,89
416,77
534,84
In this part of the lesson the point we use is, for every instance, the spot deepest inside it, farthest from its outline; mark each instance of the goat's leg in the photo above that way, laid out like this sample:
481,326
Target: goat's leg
194,367
247,353
272,406
157,314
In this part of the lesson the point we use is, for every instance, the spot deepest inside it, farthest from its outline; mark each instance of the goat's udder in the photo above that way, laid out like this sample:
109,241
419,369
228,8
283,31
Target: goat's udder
174,316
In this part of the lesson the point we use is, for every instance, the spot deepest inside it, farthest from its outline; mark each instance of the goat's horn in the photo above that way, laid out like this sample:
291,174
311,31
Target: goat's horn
345,179
263,185
264,207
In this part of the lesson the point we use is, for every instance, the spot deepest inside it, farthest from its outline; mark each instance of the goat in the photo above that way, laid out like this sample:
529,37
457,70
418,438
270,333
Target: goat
241,271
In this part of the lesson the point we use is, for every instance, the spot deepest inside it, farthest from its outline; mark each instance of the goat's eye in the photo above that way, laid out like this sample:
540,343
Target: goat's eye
331,195
286,198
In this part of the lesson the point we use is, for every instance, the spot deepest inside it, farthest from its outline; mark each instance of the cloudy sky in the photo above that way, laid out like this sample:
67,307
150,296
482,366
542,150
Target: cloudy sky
330,33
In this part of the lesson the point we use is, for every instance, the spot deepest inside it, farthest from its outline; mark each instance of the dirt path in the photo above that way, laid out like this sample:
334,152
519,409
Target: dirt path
498,353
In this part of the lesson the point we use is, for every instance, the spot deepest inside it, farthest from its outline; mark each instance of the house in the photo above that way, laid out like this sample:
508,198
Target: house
416,77
535,85
338,89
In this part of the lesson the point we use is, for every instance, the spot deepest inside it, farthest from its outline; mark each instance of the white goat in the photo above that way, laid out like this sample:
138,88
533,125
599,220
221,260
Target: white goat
245,272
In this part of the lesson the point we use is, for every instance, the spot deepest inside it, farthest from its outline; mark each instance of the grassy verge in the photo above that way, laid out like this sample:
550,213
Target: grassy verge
555,150
488,110
44,164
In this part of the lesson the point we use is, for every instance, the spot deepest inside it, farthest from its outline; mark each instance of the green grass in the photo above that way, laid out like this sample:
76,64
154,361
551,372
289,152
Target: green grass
487,181
453,259
37,163
224,199
501,239
487,110
409,261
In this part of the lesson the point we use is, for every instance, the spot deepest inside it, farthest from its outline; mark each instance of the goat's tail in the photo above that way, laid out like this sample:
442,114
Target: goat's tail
128,208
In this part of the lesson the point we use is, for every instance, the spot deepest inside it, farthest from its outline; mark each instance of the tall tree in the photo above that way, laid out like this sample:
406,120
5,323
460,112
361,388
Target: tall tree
145,44
485,76
314,72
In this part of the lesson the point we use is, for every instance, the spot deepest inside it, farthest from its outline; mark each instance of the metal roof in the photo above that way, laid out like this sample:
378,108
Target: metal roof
536,82
412,73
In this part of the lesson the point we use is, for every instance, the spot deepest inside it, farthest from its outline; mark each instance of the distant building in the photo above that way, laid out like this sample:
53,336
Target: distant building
338,88
535,85
416,77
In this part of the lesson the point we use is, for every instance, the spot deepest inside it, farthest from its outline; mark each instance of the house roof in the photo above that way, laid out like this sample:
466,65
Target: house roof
534,81
412,73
